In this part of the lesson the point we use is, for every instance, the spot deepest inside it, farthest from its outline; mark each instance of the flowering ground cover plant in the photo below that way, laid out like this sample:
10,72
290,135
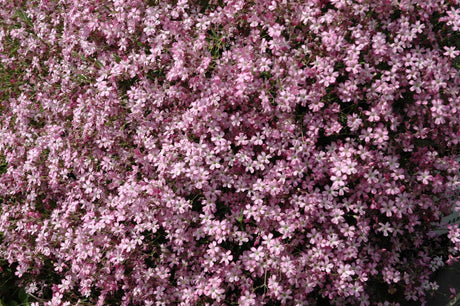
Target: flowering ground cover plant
228,152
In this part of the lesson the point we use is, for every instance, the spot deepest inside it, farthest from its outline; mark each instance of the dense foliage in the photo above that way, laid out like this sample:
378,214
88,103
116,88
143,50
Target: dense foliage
251,152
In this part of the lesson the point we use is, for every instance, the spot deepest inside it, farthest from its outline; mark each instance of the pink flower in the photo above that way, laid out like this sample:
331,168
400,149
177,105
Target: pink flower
247,299
257,152
451,52
453,292
385,228
424,177
257,254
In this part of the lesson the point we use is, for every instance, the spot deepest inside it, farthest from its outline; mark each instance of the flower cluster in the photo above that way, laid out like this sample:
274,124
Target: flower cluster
186,152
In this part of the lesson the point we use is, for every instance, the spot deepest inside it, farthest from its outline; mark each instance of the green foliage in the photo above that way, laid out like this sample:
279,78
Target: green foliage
3,165
23,16
216,42
10,293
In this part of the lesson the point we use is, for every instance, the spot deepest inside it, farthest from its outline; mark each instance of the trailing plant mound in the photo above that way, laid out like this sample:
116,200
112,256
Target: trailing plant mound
228,152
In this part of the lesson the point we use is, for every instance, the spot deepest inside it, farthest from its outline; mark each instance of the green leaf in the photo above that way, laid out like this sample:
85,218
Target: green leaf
240,218
22,295
3,168
24,17
117,58
82,77
99,63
